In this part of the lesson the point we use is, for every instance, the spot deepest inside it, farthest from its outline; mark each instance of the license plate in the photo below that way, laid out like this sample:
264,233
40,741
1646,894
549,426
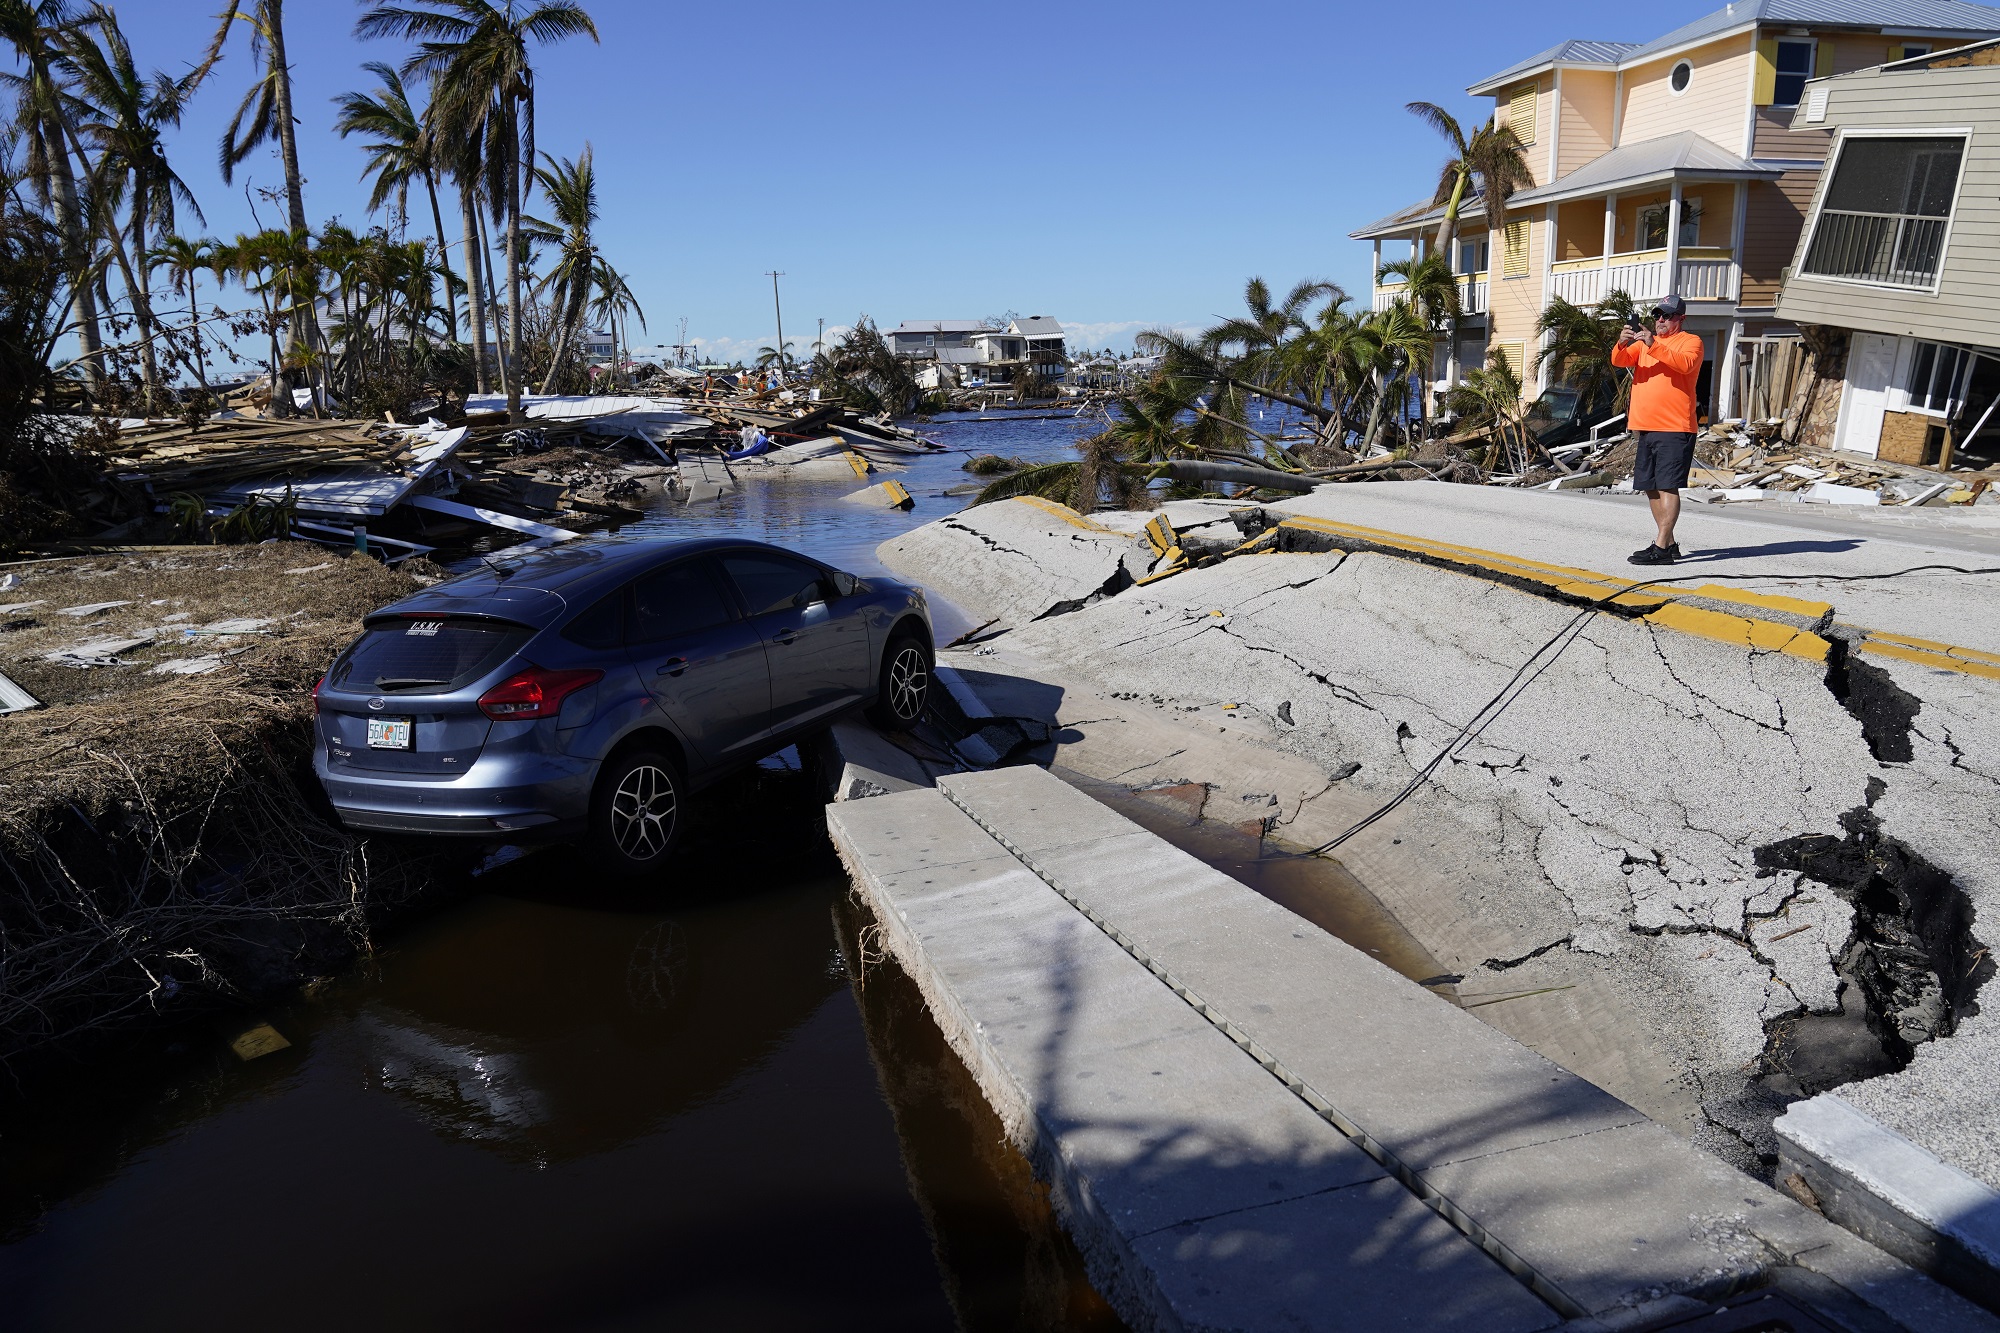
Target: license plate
388,733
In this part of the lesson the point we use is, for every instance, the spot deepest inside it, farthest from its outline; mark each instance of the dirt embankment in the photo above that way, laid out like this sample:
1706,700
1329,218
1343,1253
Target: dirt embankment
163,846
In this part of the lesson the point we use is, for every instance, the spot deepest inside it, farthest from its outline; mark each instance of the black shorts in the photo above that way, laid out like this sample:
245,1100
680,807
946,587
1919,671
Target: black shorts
1664,459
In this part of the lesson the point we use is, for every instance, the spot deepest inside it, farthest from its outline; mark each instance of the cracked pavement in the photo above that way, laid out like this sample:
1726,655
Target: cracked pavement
1597,838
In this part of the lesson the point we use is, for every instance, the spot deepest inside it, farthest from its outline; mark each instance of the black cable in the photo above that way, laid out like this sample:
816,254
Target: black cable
1560,641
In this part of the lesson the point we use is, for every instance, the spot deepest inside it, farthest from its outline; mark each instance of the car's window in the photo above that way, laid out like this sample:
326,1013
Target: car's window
771,582
425,654
680,599
601,626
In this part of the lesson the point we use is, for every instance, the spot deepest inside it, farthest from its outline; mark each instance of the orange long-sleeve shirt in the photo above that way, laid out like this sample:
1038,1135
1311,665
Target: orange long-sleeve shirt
1663,378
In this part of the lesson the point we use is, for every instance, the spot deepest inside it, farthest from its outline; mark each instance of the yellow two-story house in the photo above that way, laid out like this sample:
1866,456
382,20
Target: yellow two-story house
1663,166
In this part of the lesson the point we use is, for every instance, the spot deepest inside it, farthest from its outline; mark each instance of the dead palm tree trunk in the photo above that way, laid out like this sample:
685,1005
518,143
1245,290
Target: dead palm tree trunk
444,255
475,288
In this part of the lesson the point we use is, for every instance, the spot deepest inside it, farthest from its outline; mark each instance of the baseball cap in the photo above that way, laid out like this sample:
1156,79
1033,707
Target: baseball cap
1672,305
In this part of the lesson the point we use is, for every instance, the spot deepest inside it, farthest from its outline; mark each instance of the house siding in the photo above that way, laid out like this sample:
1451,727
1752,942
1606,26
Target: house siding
1516,303
1712,106
1589,99
1771,228
1966,307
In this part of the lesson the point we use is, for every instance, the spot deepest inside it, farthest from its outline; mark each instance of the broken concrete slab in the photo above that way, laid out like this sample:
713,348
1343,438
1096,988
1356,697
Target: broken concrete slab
1584,843
1017,560
1892,1192
1201,1192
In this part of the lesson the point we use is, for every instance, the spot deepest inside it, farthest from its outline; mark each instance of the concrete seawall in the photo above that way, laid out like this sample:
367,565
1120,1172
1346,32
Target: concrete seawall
1666,838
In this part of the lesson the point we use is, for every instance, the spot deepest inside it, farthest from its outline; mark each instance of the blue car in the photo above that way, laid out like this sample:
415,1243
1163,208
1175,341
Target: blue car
585,692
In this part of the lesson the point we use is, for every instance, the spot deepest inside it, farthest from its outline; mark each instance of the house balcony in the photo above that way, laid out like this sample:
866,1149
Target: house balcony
1705,274
1472,293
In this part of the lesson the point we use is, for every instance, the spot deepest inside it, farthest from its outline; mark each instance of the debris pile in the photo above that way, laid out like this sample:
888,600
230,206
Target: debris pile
1734,464
161,844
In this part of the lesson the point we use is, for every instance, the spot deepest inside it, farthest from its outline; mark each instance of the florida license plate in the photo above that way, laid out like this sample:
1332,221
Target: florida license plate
388,733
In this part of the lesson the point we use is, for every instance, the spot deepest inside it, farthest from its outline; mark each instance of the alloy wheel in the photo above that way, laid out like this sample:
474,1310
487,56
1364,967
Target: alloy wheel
909,681
643,810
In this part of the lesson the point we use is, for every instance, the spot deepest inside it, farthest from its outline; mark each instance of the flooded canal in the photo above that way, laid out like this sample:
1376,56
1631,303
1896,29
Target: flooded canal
552,1104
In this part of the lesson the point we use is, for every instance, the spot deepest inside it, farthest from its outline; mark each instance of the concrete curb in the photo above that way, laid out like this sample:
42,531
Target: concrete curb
1888,1190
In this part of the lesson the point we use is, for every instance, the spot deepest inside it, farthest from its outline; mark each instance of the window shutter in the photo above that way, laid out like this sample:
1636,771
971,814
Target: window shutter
1510,355
1521,111
1767,71
1823,58
1895,53
1514,246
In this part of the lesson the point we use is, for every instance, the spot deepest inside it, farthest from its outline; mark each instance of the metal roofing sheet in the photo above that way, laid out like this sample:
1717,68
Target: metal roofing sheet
1576,51
1651,159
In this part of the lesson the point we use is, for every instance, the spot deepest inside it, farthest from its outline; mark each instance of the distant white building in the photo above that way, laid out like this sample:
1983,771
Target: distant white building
597,342
968,352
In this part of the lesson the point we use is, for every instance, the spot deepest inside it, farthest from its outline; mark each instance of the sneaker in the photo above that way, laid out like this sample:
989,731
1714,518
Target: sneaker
1655,555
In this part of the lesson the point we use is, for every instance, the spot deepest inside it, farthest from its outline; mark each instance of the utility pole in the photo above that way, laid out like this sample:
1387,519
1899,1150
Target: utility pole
780,310
819,344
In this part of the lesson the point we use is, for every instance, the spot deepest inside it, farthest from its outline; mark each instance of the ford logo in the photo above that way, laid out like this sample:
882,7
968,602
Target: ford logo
378,704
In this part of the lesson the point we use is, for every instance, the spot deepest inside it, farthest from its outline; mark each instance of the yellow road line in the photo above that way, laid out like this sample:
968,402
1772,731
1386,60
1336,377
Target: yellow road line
1068,515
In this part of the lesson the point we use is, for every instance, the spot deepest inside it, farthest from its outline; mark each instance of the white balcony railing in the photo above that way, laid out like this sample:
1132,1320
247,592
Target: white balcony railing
1472,295
1644,278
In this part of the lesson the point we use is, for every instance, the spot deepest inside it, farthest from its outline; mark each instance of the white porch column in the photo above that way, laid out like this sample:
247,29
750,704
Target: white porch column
1548,276
1610,233
1725,391
1674,240
1736,234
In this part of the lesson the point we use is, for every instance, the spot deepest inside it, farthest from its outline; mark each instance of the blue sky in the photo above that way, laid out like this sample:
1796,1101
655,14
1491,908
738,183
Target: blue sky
1113,165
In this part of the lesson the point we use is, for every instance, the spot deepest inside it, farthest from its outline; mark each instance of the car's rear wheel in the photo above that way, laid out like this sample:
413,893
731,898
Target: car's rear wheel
905,687
636,812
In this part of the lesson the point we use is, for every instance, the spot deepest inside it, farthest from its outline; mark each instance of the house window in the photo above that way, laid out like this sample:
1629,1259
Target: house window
1683,74
1653,224
1514,249
1909,50
1795,66
1521,111
1472,256
1885,211
930,340
1937,374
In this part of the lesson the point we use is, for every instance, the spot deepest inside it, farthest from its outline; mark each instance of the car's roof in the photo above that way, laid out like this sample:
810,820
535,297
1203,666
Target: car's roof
520,587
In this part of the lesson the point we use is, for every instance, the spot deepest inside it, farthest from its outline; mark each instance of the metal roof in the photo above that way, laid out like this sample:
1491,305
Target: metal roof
1649,162
1916,16
919,327
1416,215
1037,326
1573,52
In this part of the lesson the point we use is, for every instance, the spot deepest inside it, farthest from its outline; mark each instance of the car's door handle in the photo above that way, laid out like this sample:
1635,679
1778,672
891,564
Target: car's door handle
786,636
673,666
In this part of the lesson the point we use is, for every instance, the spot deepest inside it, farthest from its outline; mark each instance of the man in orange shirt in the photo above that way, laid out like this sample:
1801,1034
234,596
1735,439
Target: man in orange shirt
1664,364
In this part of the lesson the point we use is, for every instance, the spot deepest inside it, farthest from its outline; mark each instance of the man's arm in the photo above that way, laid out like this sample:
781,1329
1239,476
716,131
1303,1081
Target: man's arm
1680,355
1625,354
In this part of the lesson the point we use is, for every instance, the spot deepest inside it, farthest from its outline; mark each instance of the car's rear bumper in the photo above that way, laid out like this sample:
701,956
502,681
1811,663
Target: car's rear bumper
556,805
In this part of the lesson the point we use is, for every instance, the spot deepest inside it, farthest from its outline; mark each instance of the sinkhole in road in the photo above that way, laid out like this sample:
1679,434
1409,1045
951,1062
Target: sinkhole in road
553,1102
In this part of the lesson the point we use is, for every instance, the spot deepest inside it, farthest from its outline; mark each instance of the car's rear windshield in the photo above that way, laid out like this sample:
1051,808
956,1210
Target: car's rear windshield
425,655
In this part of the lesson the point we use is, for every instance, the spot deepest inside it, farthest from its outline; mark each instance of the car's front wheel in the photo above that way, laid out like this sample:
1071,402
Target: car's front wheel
636,812
905,686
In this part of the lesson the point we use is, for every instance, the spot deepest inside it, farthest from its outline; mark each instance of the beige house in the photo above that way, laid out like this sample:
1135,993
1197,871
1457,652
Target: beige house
1900,255
1668,165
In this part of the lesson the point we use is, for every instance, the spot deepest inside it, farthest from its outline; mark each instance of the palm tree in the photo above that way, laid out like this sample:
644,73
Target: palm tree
613,302
1266,328
483,86
1491,397
1400,340
35,28
127,115
182,259
1431,288
402,151
1577,348
267,105
1491,162
571,189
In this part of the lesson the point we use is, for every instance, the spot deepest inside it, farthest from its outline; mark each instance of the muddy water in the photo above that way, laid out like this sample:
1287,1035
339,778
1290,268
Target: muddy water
553,1104
1317,888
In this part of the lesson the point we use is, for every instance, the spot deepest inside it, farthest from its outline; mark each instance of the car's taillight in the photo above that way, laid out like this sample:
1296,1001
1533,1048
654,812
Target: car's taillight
534,693
318,685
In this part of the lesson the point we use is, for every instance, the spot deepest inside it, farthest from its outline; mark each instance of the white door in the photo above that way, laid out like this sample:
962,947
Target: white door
1871,362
